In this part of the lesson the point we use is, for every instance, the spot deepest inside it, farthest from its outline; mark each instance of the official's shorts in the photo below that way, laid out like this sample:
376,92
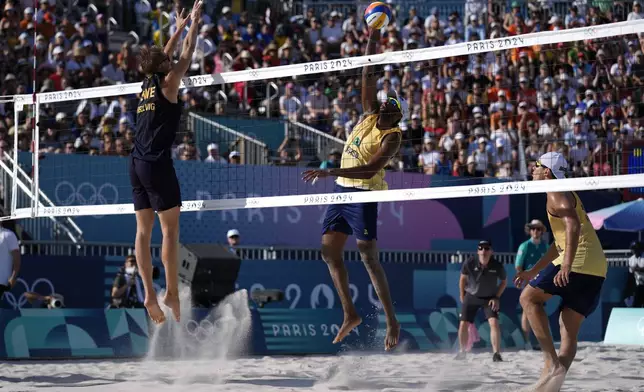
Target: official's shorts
3,289
359,219
472,304
154,185
581,294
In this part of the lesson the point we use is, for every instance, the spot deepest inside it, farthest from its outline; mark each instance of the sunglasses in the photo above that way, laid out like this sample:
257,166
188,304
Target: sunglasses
536,228
484,248
539,164
395,102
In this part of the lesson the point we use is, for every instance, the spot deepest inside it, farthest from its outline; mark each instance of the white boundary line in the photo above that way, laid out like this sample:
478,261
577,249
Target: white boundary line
445,192
466,48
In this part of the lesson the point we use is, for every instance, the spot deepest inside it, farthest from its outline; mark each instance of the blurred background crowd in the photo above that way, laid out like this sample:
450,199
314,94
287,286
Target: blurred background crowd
488,114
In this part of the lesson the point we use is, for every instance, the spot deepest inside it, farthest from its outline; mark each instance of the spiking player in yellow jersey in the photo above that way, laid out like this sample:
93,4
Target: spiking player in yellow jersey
372,143
573,268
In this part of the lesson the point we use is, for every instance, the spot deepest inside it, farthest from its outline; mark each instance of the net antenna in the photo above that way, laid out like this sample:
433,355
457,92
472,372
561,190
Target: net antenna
398,57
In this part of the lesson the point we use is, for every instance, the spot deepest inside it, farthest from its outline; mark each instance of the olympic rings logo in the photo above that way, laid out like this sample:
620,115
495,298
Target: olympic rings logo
201,331
86,193
590,31
204,330
22,299
592,182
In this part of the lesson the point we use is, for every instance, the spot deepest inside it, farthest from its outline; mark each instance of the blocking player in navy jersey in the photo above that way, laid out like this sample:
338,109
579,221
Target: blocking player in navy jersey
155,186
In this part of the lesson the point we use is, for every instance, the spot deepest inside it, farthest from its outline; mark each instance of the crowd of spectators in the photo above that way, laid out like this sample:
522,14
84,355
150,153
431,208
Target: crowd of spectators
479,115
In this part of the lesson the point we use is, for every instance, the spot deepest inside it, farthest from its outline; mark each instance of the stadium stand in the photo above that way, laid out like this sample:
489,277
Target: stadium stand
468,113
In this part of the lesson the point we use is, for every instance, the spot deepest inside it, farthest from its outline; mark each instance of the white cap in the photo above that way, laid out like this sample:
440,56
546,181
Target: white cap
225,10
482,140
234,154
459,136
556,163
212,146
232,233
57,50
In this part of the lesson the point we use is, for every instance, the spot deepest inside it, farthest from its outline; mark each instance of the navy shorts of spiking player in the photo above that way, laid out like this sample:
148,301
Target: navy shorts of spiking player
152,175
359,219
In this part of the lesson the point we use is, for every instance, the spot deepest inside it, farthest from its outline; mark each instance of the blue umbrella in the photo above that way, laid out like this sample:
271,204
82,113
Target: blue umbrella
622,217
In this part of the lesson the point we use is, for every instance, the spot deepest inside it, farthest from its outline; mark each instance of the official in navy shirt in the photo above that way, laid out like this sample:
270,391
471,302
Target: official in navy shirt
483,280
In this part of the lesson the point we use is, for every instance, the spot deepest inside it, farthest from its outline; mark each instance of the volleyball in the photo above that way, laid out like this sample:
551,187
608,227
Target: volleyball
377,15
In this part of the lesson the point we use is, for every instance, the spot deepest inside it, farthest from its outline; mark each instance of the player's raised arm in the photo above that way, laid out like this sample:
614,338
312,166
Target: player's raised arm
369,77
181,22
173,80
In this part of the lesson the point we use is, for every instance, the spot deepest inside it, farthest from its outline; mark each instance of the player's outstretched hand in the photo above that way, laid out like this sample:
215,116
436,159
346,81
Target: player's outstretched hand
314,174
196,11
522,278
182,19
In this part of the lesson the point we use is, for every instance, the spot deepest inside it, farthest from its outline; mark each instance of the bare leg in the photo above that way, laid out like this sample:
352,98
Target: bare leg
532,300
169,249
369,255
144,224
525,326
332,248
569,324
495,334
463,335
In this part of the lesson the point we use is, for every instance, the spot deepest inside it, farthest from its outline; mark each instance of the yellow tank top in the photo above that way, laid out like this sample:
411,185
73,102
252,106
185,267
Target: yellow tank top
363,143
590,258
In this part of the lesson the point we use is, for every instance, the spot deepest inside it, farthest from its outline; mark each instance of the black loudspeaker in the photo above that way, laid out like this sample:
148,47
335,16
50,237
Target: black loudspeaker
210,270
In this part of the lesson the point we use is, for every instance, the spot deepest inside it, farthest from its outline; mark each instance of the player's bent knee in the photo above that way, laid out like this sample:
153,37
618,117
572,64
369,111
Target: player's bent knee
530,297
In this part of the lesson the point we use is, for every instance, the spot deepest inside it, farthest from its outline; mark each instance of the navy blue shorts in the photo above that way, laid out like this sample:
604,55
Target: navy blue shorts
154,185
359,219
581,294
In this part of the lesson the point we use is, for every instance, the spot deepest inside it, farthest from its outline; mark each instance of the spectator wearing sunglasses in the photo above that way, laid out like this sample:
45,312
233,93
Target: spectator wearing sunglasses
483,280
528,255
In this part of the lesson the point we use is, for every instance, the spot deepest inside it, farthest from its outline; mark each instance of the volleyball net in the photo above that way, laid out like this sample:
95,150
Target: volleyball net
477,109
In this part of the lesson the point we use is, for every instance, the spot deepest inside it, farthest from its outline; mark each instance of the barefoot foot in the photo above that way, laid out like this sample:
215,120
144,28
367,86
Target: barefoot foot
154,311
393,333
350,322
554,380
172,301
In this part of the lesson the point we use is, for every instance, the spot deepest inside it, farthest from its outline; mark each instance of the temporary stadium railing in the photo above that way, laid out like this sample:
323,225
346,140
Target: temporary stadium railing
56,226
321,142
253,152
50,248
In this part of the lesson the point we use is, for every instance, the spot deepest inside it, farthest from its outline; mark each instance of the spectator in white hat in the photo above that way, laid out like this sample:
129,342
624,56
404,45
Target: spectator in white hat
234,158
233,240
213,154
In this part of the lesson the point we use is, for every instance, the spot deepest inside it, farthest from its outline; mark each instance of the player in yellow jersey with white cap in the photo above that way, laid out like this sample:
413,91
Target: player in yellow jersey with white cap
574,268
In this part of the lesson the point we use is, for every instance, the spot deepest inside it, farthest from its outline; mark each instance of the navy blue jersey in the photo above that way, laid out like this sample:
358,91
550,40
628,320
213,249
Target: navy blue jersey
157,122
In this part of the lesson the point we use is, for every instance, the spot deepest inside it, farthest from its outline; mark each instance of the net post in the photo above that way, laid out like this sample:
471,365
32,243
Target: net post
17,108
35,159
